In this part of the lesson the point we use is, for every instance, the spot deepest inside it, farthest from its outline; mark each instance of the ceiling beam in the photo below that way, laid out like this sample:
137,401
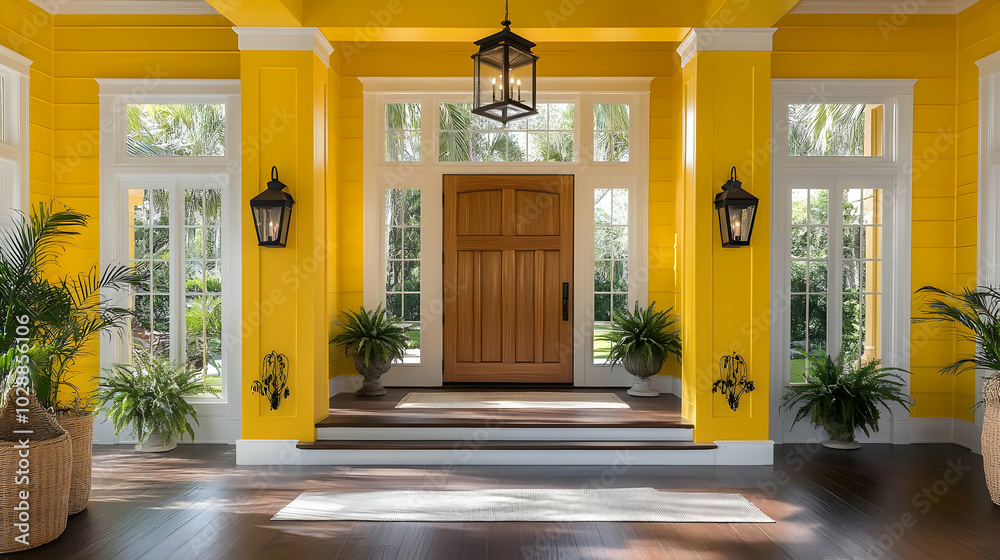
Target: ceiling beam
260,13
536,34
746,13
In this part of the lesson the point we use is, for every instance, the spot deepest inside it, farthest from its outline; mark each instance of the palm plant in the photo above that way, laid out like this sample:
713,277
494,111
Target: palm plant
150,395
977,313
67,313
842,396
641,340
373,339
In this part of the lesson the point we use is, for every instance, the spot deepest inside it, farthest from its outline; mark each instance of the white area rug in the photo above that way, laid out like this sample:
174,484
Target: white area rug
532,505
523,399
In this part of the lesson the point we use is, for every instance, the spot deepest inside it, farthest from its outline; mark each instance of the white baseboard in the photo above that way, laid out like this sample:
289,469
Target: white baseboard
744,452
667,384
945,430
267,452
345,384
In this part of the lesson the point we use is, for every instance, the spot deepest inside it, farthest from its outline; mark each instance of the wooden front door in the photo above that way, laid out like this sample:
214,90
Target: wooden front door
508,278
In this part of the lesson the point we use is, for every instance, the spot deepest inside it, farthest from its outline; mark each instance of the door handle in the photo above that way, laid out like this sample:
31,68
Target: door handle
565,301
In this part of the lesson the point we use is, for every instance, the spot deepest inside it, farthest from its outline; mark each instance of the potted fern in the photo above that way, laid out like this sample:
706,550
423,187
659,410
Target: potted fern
976,314
373,339
641,340
150,395
843,397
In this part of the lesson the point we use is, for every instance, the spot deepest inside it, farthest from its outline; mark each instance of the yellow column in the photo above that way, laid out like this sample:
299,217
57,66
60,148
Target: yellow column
725,291
284,119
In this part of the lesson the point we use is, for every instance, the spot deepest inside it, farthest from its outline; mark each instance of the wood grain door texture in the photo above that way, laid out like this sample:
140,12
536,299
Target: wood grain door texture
508,278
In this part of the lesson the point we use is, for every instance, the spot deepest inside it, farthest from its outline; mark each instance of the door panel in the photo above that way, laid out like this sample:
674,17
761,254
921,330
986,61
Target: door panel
508,251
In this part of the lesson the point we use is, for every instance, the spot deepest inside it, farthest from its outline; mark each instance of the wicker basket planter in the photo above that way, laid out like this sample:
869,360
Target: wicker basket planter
47,484
991,435
81,430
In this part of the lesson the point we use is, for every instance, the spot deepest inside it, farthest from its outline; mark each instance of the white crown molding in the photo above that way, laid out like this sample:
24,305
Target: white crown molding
881,7
285,39
462,84
16,62
126,7
712,39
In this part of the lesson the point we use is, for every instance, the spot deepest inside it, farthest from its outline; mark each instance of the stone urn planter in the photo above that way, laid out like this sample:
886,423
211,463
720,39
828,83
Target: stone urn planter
373,339
372,373
643,369
991,435
838,436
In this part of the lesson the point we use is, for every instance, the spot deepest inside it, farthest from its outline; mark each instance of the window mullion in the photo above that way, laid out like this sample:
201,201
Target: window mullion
835,272
176,209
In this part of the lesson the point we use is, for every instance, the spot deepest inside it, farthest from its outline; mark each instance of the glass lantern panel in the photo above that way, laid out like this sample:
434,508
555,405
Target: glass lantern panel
723,224
268,221
490,72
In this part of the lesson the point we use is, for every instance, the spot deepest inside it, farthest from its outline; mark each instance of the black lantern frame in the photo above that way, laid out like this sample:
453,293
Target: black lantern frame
737,211
272,213
507,57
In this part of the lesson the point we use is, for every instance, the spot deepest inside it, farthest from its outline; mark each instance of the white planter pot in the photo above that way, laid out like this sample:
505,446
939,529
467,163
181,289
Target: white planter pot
155,444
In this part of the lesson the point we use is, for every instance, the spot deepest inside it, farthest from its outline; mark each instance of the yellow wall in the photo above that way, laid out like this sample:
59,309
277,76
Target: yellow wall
558,59
27,30
978,36
923,48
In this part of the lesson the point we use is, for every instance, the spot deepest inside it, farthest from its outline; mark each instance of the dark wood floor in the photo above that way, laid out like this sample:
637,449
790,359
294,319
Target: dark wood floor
346,410
883,501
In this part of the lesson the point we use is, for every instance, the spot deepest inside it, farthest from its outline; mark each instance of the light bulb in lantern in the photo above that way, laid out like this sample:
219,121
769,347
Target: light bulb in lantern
518,90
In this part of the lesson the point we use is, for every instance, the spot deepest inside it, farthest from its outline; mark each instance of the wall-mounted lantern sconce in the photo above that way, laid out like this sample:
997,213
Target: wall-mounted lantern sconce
737,209
733,383
272,213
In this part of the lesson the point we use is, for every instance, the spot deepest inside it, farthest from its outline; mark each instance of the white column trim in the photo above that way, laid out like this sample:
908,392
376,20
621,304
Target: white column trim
988,225
735,39
285,39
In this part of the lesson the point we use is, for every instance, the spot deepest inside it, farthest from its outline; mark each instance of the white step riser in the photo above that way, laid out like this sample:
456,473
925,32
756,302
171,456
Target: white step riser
617,462
507,434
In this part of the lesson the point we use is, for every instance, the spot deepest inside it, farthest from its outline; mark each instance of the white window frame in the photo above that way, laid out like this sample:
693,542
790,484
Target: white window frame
427,173
14,147
988,245
219,417
891,172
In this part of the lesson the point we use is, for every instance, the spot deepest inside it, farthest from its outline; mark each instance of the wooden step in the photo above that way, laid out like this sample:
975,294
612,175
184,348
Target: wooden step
507,445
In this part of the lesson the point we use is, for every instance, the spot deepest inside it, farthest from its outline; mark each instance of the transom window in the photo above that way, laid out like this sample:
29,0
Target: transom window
547,136
836,129
175,130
